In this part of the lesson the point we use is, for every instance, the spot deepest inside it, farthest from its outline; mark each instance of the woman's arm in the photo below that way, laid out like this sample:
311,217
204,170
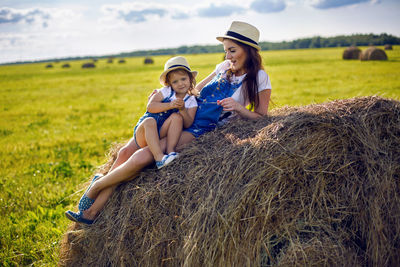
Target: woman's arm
188,116
229,104
203,82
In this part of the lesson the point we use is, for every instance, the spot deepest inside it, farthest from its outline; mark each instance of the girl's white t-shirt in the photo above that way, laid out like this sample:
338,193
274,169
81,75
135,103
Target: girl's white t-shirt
189,103
263,80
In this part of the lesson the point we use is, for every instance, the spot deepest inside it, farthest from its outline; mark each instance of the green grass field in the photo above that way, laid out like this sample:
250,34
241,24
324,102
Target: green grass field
57,124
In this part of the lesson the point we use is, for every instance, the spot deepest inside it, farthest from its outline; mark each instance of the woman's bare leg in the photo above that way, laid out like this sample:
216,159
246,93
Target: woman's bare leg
128,170
106,185
184,139
123,155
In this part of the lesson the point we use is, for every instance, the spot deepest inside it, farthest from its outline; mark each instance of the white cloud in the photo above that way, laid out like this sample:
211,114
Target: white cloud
28,16
326,4
268,6
219,10
133,12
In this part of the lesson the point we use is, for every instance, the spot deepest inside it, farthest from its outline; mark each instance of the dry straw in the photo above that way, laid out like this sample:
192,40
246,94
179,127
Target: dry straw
351,52
306,186
373,53
388,47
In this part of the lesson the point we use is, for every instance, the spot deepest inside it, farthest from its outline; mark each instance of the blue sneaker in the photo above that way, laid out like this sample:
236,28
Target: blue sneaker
166,160
77,217
85,202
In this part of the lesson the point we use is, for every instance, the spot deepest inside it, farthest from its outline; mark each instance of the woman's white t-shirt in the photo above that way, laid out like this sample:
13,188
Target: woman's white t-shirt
189,103
263,83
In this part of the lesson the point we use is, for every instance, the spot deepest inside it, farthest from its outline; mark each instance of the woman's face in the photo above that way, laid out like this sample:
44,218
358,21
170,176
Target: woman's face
236,54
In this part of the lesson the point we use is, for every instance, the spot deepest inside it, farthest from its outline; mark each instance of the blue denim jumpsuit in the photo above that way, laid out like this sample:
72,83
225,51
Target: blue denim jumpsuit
159,117
208,112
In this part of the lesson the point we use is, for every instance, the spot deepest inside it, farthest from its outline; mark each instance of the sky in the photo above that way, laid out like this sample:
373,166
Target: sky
49,29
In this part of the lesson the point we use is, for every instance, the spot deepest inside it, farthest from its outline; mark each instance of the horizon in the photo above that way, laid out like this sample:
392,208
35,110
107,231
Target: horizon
44,29
156,49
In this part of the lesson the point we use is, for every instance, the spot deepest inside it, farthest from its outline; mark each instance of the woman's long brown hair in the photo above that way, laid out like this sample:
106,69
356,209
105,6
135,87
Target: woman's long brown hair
252,65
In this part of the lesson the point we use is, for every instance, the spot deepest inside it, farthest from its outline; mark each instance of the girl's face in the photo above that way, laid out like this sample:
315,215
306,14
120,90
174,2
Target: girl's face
236,54
179,81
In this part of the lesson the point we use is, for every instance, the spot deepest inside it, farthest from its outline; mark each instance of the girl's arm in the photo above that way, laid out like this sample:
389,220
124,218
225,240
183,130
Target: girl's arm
188,116
229,104
206,80
155,104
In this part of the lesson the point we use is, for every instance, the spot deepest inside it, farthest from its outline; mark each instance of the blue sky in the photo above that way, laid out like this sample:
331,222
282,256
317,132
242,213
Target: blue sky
44,29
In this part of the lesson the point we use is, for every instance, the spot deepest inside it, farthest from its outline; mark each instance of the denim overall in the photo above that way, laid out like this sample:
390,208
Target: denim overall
159,117
208,111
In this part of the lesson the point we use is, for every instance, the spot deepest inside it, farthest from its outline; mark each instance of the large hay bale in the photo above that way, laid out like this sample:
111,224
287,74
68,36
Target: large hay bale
388,47
351,52
148,60
66,65
88,65
305,186
373,53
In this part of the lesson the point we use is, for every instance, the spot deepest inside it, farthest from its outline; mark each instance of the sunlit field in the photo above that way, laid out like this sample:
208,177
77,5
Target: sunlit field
57,125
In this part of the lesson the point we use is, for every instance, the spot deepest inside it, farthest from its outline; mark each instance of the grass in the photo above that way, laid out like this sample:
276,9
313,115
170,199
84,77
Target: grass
56,125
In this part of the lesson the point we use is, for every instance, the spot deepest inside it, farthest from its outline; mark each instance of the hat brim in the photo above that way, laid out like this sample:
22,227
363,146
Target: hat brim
163,75
221,39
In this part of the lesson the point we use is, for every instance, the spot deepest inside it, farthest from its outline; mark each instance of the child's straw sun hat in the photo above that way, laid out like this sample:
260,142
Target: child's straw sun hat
173,64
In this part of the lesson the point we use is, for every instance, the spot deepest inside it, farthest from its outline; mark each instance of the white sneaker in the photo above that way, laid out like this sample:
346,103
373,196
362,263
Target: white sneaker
166,160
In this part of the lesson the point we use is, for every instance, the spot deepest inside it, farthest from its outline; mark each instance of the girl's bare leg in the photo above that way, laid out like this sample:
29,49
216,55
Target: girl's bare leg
172,129
147,135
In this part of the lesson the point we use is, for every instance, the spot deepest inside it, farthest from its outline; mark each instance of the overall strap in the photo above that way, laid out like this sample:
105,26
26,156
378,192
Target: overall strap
170,95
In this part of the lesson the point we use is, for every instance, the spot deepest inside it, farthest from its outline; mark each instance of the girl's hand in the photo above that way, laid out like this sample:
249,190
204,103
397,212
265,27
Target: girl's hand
229,104
177,103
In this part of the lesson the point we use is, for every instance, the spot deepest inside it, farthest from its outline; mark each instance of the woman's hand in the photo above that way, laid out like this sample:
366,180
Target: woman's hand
152,93
229,104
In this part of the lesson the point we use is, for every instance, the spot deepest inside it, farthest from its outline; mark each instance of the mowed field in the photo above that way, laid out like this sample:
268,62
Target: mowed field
57,125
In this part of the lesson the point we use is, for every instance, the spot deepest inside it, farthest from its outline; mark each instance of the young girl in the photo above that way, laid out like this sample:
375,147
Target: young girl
161,119
168,111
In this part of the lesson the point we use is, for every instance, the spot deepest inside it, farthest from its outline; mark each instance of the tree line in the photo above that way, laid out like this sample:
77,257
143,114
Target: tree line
313,42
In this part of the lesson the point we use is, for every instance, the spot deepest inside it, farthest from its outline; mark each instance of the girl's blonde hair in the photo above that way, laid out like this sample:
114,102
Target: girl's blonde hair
191,90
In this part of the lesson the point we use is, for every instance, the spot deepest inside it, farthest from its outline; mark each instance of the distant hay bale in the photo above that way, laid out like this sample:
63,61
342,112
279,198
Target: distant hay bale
88,65
306,186
373,53
148,60
49,66
388,47
110,60
66,65
352,52
122,61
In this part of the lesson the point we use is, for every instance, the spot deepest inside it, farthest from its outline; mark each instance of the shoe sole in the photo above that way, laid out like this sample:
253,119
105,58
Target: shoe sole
72,218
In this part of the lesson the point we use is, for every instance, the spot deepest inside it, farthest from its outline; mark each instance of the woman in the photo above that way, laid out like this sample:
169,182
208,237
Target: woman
224,94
